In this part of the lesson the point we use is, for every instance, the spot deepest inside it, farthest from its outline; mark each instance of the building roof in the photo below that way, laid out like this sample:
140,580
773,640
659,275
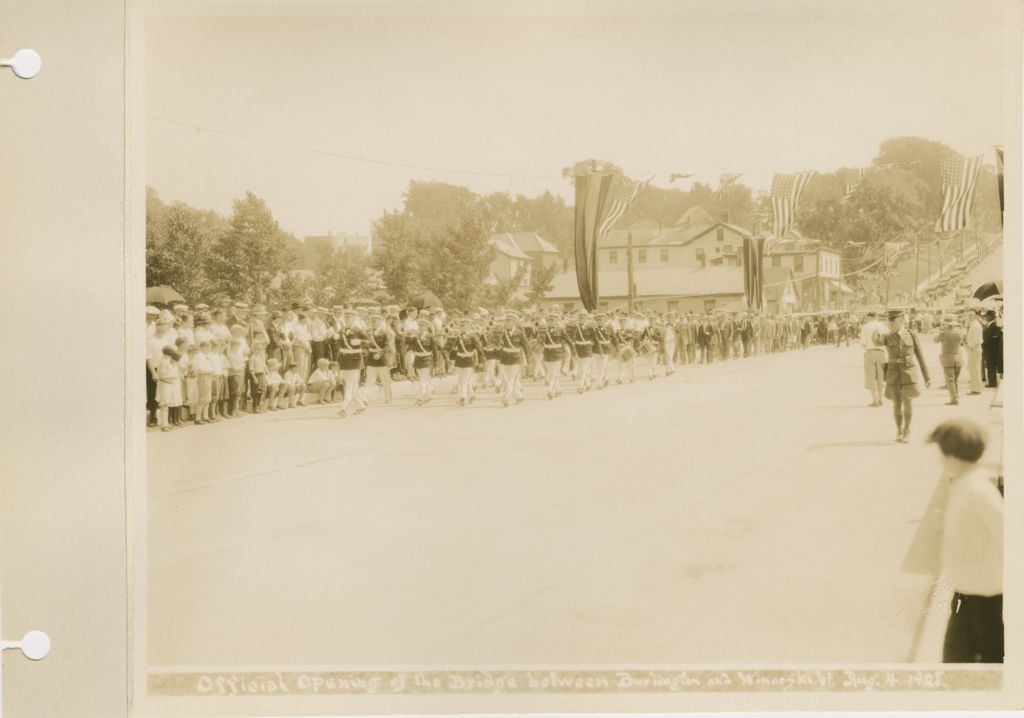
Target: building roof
507,247
696,216
669,236
656,283
527,241
641,237
695,234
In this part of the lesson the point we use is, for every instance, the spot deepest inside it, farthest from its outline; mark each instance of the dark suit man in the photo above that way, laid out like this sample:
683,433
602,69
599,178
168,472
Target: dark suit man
992,349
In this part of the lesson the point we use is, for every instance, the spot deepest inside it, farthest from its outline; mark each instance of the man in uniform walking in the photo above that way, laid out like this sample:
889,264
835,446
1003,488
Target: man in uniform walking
514,355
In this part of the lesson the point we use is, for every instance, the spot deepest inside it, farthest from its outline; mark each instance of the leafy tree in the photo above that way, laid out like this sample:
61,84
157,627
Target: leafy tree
437,202
499,294
344,275
179,239
292,286
398,240
454,263
542,281
252,252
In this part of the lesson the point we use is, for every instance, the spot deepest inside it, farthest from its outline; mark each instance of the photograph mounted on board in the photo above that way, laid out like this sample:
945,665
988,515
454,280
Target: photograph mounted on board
486,360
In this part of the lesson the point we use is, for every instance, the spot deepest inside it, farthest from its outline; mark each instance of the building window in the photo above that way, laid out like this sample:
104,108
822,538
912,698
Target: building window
613,257
701,258
798,264
664,255
642,255
728,249
720,234
673,306
777,261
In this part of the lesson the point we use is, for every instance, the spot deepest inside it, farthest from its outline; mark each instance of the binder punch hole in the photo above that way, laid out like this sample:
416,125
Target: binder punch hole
25,63
34,645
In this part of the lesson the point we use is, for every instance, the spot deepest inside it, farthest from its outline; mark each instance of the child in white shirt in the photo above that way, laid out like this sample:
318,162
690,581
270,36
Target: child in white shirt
294,385
321,383
274,383
168,388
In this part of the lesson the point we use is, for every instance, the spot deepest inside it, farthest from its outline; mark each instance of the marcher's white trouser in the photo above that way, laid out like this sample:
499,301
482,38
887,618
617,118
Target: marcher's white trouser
553,374
350,378
512,381
464,377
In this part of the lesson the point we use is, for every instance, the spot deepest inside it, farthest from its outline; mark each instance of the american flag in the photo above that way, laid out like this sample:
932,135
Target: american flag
621,194
959,177
785,195
724,181
999,168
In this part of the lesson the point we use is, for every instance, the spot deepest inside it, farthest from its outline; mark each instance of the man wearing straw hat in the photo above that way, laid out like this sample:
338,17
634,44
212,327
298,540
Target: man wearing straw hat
951,337
874,357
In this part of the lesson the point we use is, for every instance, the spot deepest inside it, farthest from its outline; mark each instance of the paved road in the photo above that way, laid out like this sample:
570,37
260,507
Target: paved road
748,511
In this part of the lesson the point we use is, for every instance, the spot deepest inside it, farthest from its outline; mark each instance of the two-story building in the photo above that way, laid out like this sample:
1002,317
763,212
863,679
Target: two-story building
509,260
817,272
524,252
697,240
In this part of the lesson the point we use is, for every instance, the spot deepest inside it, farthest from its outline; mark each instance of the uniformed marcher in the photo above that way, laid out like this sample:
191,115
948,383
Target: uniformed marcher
380,355
581,336
514,355
552,344
904,364
421,346
350,349
604,350
669,346
464,348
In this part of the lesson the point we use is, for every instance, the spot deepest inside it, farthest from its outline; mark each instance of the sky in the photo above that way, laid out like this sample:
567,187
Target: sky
501,102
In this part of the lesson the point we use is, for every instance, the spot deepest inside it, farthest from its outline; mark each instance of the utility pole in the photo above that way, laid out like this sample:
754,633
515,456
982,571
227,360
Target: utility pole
939,242
629,272
917,266
885,268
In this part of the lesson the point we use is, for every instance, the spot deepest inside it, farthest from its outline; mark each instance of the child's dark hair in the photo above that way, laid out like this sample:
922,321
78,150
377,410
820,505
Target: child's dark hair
960,438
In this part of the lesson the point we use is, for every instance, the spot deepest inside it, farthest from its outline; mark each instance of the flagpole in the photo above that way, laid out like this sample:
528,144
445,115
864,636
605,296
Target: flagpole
629,272
885,268
917,267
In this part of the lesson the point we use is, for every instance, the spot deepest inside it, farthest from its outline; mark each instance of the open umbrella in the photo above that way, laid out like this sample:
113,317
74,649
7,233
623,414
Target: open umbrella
989,289
162,295
426,300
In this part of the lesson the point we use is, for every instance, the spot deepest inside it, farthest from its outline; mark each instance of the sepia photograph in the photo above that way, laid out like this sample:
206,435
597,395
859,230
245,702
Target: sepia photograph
569,350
